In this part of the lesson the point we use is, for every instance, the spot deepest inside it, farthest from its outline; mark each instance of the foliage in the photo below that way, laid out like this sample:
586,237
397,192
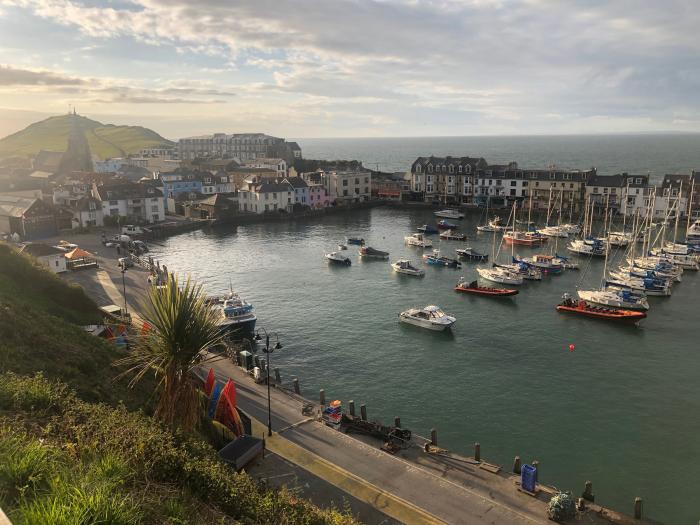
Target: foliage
182,327
92,463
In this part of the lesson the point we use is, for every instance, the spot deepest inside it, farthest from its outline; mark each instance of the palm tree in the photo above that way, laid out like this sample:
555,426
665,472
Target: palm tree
179,329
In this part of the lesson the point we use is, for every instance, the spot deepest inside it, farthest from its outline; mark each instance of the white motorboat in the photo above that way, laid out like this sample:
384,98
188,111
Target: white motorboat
499,275
624,299
342,247
526,272
236,316
418,239
554,231
404,266
338,258
449,214
430,317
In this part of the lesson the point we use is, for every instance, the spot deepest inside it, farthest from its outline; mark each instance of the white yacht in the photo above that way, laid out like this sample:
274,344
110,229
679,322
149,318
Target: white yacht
338,258
449,214
430,317
499,275
620,238
404,266
418,239
554,231
494,225
615,298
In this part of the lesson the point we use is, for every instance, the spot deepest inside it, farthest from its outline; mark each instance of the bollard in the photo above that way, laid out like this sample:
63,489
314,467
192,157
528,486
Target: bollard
296,386
322,396
638,508
363,412
397,422
278,378
433,437
351,407
516,465
536,465
477,451
588,492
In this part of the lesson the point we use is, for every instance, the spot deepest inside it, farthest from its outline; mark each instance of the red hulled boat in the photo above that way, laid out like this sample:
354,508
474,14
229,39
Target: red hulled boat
524,238
577,306
474,289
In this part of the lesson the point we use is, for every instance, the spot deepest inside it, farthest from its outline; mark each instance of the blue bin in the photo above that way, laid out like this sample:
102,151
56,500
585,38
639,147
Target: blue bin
528,477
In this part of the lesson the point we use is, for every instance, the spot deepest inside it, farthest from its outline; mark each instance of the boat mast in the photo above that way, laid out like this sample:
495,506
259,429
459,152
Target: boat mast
690,206
549,206
529,212
624,209
663,226
678,212
607,250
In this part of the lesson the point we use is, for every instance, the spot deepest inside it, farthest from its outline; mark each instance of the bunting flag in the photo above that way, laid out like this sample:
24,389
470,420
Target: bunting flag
209,384
214,399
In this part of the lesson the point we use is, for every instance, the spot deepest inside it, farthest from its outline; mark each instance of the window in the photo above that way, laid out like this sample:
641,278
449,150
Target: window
366,189
498,182
459,168
114,203
366,180
552,176
451,168
289,200
567,176
154,209
430,168
357,181
345,193
490,182
345,182
524,184
638,180
605,190
537,184
357,191
512,183
595,189
512,193
267,207
267,196
613,191
571,185
418,168
274,196
155,217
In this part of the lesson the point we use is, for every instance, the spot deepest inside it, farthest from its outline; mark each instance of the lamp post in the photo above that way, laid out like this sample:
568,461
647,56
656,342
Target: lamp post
126,311
268,351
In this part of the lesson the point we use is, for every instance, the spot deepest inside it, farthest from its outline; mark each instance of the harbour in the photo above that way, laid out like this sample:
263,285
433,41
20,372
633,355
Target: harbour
504,376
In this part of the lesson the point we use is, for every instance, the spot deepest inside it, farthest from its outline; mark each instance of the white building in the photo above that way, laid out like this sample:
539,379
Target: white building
279,166
50,256
266,197
110,165
219,183
139,203
348,186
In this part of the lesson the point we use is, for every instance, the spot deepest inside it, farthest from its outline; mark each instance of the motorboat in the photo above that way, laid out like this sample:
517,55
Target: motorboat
371,253
590,246
438,260
545,263
451,235
620,239
527,272
449,214
404,266
499,275
355,240
473,288
580,307
471,254
338,258
428,229
494,225
430,317
418,239
612,298
524,238
446,225
235,316
342,247
553,231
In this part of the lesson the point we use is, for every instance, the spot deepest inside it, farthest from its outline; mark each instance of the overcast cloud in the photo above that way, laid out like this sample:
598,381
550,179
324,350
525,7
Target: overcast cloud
358,68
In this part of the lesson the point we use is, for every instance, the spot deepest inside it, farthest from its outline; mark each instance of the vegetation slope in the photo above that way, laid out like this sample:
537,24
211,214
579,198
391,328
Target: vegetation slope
77,447
105,140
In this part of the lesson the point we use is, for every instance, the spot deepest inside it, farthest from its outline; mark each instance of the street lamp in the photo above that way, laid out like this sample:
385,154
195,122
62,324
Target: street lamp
126,311
268,351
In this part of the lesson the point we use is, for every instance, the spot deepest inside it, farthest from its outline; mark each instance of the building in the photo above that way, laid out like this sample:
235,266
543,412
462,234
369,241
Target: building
30,218
241,174
217,207
447,179
636,193
672,196
138,203
217,183
262,197
279,166
109,165
301,190
241,146
164,152
345,187
318,195
87,212
50,256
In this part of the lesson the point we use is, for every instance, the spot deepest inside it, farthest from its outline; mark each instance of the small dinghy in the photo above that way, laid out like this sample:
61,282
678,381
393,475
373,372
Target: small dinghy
580,307
370,253
473,288
338,258
355,240
430,317
427,229
404,266
471,254
451,235
446,225
438,260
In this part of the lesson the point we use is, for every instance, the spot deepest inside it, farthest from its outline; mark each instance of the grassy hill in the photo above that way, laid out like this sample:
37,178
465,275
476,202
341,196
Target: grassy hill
105,140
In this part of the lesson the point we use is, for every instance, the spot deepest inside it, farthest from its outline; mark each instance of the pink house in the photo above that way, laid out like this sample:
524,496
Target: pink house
318,196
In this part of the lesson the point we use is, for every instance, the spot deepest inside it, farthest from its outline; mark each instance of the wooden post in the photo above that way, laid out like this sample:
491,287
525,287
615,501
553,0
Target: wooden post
516,465
588,492
363,412
638,508
397,422
477,451
433,437
296,386
351,407
278,378
322,396
536,465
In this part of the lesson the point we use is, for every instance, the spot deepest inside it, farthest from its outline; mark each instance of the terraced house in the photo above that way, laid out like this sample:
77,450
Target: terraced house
450,180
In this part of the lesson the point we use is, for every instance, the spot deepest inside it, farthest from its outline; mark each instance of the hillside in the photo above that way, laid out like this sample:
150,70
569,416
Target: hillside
105,140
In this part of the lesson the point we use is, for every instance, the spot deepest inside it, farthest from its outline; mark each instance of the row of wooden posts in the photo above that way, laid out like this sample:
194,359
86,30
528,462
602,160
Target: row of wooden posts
587,494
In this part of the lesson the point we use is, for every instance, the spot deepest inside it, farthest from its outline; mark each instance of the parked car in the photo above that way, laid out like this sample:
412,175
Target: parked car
130,229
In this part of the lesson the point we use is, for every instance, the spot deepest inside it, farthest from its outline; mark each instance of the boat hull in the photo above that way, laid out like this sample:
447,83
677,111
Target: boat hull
241,329
424,324
606,314
485,291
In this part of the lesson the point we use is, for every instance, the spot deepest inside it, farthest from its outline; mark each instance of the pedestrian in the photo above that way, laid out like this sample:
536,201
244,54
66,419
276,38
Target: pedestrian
119,250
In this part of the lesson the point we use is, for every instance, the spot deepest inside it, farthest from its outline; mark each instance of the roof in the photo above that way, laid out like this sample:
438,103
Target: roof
83,204
272,187
38,174
674,181
14,206
40,250
294,146
123,190
611,181
77,253
296,182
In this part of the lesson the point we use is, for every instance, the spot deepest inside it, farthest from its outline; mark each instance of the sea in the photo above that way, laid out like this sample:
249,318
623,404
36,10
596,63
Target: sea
619,408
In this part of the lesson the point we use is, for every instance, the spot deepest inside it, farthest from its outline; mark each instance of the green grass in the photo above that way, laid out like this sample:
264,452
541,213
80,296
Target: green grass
105,140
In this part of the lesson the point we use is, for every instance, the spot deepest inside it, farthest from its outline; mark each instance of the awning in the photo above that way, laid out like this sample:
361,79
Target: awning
77,253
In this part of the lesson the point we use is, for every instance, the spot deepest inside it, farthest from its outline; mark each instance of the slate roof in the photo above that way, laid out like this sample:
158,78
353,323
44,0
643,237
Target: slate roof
14,206
40,250
296,182
272,187
122,191
294,146
674,181
610,181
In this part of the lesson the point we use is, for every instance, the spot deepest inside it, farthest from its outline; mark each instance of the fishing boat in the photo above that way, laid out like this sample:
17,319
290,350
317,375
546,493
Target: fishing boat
471,254
473,288
612,298
404,266
519,238
355,240
338,258
449,214
234,315
371,253
418,239
499,275
439,260
427,229
451,235
546,263
446,225
581,307
430,317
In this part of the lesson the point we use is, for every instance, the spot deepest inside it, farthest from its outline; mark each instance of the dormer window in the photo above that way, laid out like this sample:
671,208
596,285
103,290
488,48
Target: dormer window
451,168
459,168
430,168
418,168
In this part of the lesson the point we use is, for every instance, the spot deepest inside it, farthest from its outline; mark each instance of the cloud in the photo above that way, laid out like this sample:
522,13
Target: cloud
13,76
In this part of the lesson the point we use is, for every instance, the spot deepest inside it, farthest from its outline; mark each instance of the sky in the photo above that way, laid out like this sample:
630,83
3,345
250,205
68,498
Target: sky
354,68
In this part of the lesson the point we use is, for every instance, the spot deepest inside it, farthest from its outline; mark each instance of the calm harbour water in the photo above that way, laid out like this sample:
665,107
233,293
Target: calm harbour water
621,410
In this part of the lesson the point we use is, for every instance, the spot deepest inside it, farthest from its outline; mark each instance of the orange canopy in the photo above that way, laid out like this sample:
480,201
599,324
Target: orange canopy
77,253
